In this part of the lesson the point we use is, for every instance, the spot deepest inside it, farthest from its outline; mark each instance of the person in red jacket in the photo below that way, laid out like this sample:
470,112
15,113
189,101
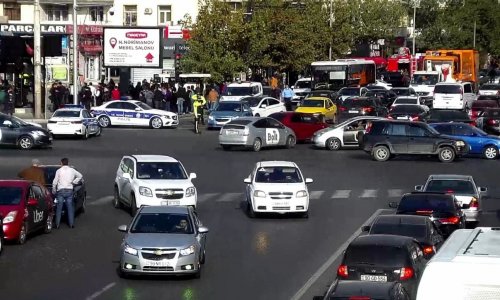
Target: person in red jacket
115,94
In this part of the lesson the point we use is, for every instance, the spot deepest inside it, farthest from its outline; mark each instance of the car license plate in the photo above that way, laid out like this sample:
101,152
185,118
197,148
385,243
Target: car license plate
374,278
158,263
171,203
281,204
353,111
63,123
231,132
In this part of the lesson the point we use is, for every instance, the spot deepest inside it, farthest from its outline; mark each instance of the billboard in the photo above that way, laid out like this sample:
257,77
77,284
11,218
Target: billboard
133,47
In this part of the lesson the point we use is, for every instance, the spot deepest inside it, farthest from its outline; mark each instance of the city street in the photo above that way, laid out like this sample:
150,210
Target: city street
263,258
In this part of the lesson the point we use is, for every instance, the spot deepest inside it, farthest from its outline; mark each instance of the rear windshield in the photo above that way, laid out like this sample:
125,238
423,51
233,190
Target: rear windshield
349,92
375,255
411,230
67,114
488,97
447,115
277,116
357,103
414,203
412,109
406,101
484,103
10,195
448,89
451,186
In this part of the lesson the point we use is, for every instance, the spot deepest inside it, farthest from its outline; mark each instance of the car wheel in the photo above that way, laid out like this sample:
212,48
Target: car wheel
333,144
197,275
202,259
133,206
305,215
116,199
250,211
226,147
23,233
257,145
104,121
156,123
446,154
26,142
381,153
290,141
48,224
85,134
98,132
490,152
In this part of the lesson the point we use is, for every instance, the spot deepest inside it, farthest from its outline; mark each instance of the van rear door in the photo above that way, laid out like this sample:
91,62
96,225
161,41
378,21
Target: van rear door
448,96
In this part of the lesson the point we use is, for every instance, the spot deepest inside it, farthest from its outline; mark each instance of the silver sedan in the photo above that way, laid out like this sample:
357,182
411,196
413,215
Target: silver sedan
163,240
255,133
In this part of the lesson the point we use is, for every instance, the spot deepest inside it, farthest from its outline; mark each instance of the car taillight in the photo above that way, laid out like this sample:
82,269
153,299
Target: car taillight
415,118
474,203
428,250
492,122
473,113
343,108
450,221
390,118
367,109
342,271
406,273
76,122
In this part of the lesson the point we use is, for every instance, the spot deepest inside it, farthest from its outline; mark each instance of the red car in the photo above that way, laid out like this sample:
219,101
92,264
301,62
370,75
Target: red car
25,207
304,125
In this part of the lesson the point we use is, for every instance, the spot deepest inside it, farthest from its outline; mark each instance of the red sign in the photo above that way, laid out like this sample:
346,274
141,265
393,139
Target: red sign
149,58
91,48
186,34
173,32
136,35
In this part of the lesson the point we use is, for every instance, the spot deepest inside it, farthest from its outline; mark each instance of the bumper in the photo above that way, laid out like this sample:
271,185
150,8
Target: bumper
11,231
170,122
319,141
66,129
463,150
43,140
472,215
176,266
154,201
295,205
240,140
217,124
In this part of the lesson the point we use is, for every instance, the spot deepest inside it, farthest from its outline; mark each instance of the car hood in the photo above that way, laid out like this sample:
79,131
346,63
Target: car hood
165,183
34,124
159,240
218,114
231,98
30,128
279,187
160,112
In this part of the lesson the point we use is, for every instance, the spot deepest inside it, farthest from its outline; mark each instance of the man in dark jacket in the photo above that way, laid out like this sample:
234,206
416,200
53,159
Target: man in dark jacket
33,173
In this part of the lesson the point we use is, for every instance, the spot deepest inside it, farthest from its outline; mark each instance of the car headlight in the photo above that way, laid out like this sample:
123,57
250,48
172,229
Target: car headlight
144,191
301,194
130,250
260,194
319,133
38,133
187,251
460,143
211,117
11,216
190,191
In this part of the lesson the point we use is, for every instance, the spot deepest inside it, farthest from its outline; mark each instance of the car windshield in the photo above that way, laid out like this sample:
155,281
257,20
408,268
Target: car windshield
349,92
406,101
10,195
67,114
415,203
143,105
401,92
411,230
450,186
224,106
447,89
312,103
302,84
410,109
424,79
448,115
278,174
357,103
162,223
160,170
375,255
238,91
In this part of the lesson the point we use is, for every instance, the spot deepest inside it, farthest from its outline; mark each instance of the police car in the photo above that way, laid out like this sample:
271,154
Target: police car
133,113
73,120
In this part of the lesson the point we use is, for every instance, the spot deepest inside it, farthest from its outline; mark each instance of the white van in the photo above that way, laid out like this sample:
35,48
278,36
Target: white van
301,88
466,267
237,90
453,95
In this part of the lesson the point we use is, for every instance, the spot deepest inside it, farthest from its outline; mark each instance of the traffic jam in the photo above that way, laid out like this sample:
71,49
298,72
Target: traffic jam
444,112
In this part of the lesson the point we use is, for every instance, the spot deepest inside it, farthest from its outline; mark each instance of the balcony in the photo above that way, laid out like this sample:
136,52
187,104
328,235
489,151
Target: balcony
79,2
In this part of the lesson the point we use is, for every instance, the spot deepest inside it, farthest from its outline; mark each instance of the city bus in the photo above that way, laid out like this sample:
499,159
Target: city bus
334,75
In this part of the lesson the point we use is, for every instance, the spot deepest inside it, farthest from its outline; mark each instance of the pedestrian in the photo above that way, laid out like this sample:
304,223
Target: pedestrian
148,95
62,187
198,103
115,93
99,95
213,96
9,104
93,95
181,98
157,97
3,98
287,96
85,96
33,173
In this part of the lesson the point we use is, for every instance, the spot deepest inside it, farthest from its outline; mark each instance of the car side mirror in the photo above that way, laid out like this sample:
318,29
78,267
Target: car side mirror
127,176
263,106
247,180
483,190
32,202
138,109
393,204
419,188
202,229
309,180
122,228
192,176
366,228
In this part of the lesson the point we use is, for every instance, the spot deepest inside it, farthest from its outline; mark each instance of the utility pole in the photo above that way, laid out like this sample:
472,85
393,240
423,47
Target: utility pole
37,57
331,24
416,3
474,43
75,53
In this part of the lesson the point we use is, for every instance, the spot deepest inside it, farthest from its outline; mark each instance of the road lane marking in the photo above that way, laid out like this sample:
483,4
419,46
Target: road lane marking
395,193
230,197
101,291
334,257
341,194
205,197
314,195
369,194
102,200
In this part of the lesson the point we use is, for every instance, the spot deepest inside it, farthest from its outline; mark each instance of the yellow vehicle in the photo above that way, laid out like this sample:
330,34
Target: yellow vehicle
321,107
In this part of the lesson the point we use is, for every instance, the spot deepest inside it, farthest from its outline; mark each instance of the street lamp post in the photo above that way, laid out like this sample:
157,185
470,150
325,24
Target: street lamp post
331,24
75,53
415,4
37,57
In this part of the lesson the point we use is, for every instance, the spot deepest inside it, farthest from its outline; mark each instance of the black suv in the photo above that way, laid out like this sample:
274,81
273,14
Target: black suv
384,139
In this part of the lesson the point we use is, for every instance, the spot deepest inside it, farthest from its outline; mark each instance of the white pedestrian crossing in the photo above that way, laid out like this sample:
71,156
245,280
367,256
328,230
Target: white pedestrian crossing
341,194
315,195
369,194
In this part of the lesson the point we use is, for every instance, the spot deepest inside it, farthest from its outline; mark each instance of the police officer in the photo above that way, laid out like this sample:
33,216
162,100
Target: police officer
198,103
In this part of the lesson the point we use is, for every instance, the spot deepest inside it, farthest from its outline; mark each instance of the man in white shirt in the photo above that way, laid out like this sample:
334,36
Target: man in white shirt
62,187
93,90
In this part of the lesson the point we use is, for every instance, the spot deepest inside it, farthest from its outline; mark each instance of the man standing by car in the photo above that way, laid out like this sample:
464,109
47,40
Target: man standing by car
62,187
33,173
287,97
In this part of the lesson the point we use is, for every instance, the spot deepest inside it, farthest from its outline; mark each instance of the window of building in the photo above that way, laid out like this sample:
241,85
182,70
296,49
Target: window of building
235,5
96,13
56,12
130,15
12,11
164,15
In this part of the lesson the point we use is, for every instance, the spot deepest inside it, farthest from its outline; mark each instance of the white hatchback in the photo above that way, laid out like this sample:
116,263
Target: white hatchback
277,187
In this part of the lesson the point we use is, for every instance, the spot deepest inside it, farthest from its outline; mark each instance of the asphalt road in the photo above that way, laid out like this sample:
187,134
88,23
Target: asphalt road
267,258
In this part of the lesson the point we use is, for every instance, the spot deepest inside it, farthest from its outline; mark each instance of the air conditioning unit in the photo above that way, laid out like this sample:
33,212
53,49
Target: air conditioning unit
148,11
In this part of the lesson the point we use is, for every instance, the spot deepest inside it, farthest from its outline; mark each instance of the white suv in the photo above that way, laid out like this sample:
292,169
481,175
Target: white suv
151,180
450,95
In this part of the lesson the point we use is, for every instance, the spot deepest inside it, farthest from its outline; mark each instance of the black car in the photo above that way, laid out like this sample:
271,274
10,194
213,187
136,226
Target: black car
362,106
404,91
442,209
489,121
79,190
16,132
384,258
479,106
411,112
447,115
365,290
420,228
386,97
384,139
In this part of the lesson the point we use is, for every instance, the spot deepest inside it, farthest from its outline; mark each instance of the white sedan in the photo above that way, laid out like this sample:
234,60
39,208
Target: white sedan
73,121
263,107
133,113
277,187
402,100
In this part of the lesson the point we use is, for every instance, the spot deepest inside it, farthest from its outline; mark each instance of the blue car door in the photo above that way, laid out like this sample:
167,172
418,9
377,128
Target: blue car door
466,133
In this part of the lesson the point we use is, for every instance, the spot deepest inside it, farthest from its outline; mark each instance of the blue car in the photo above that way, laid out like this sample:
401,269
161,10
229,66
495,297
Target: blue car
480,142
226,111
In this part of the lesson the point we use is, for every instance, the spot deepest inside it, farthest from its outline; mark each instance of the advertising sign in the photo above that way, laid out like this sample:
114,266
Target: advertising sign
132,47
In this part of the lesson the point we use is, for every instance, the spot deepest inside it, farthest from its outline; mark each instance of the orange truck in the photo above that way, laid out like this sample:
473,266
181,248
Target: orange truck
453,65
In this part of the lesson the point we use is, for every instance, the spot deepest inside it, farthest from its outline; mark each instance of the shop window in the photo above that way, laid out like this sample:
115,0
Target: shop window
130,15
56,12
164,15
96,13
12,11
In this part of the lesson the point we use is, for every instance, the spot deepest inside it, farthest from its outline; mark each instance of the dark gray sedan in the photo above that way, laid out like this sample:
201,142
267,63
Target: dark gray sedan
163,240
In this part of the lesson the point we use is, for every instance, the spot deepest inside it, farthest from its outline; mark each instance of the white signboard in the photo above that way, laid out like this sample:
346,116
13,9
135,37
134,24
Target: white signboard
132,47
272,136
